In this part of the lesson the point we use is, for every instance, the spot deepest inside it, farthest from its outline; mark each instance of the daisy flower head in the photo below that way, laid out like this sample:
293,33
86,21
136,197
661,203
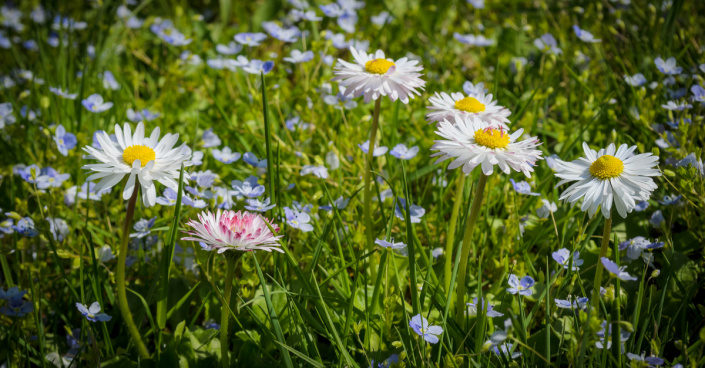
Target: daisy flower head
144,160
608,176
373,76
473,142
481,105
230,230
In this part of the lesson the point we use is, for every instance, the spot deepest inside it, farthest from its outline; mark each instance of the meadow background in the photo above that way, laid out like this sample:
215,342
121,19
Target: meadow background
321,303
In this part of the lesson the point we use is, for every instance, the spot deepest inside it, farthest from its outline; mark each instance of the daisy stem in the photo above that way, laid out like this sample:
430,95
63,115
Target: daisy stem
225,310
450,237
120,277
598,272
465,253
368,177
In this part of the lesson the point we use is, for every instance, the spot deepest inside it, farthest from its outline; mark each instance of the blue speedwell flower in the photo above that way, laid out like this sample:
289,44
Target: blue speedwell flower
251,159
578,303
141,115
248,188
319,171
415,212
63,94
645,361
50,178
92,313
226,155
25,226
16,305
59,228
616,270
390,244
250,39
210,139
298,220
297,56
523,187
143,228
522,287
94,103
259,206
65,141
584,35
636,246
562,256
668,67
420,325
169,197
402,152
485,304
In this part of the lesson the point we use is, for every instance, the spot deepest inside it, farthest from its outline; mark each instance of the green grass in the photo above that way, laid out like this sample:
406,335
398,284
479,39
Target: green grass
329,300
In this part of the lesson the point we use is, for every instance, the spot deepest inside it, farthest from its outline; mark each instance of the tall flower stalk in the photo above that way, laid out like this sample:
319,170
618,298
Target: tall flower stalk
374,76
232,233
120,276
368,177
450,238
465,251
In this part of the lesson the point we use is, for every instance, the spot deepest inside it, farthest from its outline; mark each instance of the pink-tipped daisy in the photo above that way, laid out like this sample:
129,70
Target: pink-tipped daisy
230,230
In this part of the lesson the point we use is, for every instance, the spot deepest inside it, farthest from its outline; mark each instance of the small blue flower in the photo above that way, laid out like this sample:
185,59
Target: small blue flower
402,152
94,103
256,66
698,93
415,212
669,200
64,141
505,349
59,228
25,226
169,197
248,188
231,48
308,15
421,326
656,219
259,206
92,313
63,94
226,155
547,43
50,178
143,227
165,30
578,303
250,39
489,308
641,206
668,67
635,80
616,270
210,139
16,305
319,171
562,256
252,160
636,246
297,56
143,115
109,81
298,220
6,116
645,361
585,36
523,187
523,286
390,244
295,122
291,34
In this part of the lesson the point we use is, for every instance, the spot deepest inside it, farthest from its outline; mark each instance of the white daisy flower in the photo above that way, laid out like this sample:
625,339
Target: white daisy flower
607,176
373,76
473,142
481,105
144,160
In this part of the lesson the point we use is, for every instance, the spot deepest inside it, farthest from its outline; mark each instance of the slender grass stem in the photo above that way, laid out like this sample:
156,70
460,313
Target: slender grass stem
225,311
450,237
120,276
368,177
598,272
465,255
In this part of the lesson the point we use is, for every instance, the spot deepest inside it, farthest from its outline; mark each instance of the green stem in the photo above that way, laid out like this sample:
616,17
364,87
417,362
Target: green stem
450,237
225,311
598,272
368,177
465,255
120,276
6,270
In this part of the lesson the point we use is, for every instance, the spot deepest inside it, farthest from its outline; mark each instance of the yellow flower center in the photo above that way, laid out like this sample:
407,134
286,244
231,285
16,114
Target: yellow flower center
378,66
138,152
491,138
470,104
607,167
